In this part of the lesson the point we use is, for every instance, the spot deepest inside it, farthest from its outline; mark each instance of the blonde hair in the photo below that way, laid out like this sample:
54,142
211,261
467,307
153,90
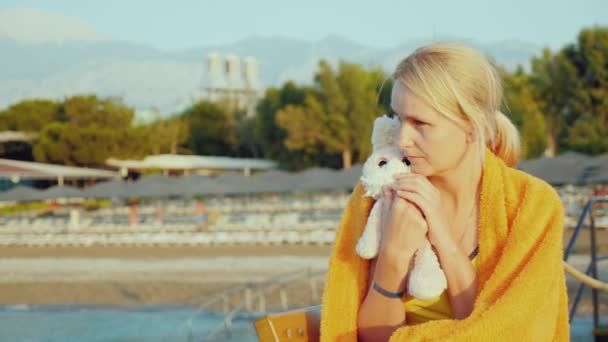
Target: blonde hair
462,84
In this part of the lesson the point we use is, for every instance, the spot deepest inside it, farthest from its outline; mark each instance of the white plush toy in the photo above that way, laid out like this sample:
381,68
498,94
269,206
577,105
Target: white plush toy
426,279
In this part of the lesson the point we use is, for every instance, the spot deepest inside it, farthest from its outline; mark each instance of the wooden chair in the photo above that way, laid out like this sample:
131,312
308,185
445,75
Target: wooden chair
295,325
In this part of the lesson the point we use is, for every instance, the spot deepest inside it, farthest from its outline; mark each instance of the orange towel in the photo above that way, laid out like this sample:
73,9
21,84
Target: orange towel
522,288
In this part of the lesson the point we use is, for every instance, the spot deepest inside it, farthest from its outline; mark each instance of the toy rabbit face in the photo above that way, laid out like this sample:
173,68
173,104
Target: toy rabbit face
380,167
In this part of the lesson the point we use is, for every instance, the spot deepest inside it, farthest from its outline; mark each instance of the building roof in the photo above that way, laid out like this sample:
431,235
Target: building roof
7,136
568,168
17,169
190,162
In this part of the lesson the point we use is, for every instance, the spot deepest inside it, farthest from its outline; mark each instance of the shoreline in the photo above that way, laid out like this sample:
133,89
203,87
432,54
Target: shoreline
175,275
133,276
136,252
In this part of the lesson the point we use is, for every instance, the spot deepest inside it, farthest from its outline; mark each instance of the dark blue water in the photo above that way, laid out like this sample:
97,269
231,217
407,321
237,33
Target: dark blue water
150,324
97,324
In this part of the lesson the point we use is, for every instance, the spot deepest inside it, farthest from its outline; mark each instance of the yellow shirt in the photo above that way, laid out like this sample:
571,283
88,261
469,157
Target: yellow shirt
420,311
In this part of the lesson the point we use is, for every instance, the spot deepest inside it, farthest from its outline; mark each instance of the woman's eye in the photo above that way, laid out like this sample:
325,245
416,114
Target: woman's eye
419,123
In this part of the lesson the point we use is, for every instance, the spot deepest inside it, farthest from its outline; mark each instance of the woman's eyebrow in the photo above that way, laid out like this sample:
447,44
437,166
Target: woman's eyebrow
407,115
411,116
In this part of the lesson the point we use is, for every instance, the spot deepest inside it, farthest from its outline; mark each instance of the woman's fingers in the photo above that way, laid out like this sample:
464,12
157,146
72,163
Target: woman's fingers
405,227
416,185
417,199
408,214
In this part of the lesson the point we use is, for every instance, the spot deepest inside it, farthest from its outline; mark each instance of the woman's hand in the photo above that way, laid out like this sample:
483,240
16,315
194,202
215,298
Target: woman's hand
419,191
404,228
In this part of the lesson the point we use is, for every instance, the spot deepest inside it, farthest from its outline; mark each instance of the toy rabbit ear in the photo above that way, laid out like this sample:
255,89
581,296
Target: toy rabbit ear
385,129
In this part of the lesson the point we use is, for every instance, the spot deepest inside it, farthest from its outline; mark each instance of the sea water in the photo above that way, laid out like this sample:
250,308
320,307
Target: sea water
71,323
77,323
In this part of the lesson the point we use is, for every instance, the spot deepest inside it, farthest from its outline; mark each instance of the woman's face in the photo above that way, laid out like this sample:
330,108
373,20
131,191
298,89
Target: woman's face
432,143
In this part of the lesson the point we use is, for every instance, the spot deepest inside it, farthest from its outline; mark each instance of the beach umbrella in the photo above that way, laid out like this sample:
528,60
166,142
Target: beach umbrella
19,194
154,186
555,171
59,191
111,189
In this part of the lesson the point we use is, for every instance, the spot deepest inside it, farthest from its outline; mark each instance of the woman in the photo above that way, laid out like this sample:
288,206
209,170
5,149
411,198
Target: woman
496,231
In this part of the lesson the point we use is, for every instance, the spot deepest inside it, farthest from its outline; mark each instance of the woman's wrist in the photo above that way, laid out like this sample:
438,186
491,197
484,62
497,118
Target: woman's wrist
386,293
447,249
391,271
396,255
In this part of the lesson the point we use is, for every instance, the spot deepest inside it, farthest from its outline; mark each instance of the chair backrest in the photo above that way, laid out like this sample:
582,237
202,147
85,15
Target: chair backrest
295,325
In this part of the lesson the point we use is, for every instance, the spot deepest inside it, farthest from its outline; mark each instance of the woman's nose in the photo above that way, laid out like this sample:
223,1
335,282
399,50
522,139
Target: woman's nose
404,136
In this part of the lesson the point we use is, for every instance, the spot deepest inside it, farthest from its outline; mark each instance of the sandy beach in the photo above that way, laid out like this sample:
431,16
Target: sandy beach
159,275
143,275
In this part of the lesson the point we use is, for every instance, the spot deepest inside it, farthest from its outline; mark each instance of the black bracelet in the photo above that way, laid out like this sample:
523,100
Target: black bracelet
387,293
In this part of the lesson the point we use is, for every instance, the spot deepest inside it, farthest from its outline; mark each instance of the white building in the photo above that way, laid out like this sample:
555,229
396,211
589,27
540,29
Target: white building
231,80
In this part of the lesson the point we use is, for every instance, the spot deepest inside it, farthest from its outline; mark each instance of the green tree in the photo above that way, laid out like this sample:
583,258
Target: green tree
89,110
90,131
212,129
361,88
247,146
524,112
571,88
550,80
587,137
587,111
166,135
270,137
29,115
339,117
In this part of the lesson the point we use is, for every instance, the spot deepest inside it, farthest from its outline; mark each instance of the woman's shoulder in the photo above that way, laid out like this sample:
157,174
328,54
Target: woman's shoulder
528,188
534,207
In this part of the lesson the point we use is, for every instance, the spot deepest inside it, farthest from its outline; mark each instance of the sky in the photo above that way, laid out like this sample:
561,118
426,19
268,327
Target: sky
181,24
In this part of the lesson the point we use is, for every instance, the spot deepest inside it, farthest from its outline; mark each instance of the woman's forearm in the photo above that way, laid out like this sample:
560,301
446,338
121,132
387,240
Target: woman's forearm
462,280
380,316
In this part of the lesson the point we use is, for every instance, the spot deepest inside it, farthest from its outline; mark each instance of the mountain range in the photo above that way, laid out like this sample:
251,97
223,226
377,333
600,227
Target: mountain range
61,56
